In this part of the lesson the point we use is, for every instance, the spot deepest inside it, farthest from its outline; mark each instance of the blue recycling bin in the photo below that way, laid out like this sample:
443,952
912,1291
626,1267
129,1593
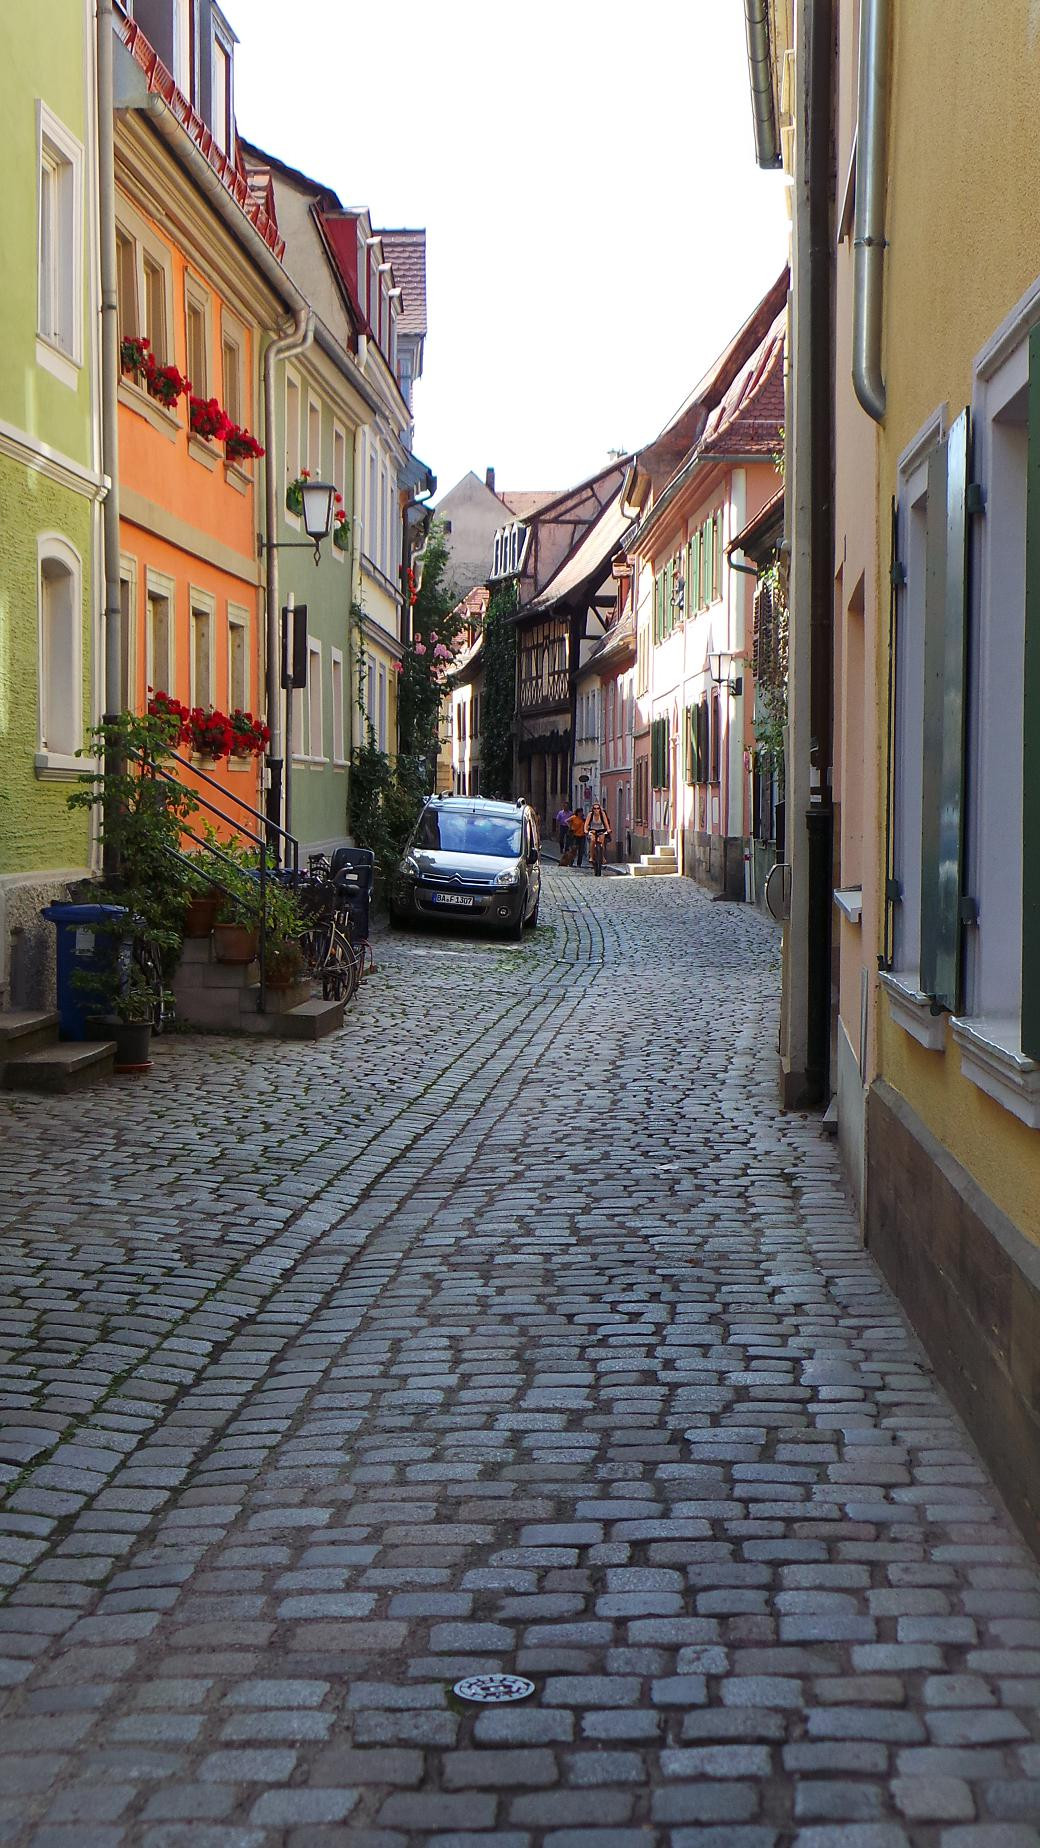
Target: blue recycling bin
82,947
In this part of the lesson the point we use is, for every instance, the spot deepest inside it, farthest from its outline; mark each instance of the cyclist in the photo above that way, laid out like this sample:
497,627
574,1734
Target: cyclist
598,830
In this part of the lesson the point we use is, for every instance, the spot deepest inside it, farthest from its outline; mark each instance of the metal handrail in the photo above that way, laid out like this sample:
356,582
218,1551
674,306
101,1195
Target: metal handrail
258,840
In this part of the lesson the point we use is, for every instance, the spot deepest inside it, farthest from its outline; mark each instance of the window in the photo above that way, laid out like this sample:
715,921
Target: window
292,428
238,660
381,726
159,650
384,544
231,375
201,661
127,627
155,308
659,753
184,48
198,344
370,694
315,723
59,240
60,708
314,438
371,511
298,720
126,285
338,755
339,477
223,117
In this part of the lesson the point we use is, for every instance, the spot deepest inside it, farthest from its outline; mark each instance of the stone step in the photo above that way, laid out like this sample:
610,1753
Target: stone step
68,1066
312,1020
24,1030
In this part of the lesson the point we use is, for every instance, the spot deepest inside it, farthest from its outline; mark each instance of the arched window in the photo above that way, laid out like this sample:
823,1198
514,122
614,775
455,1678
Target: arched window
60,655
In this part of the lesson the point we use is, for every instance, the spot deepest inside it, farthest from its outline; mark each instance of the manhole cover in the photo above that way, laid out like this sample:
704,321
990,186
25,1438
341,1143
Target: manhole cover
492,1688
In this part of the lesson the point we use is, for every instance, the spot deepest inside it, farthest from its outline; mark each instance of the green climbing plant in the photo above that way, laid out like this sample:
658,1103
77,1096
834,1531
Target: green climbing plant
498,698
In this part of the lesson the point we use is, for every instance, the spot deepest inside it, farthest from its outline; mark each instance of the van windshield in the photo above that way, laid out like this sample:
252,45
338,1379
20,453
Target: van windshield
459,831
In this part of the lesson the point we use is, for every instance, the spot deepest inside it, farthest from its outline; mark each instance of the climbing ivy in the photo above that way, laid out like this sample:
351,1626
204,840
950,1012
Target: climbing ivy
498,699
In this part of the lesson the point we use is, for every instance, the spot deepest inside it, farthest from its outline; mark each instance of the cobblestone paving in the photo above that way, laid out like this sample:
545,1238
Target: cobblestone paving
513,1328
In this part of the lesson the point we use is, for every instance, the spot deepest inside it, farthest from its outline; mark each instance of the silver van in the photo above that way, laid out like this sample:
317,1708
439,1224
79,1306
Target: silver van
472,858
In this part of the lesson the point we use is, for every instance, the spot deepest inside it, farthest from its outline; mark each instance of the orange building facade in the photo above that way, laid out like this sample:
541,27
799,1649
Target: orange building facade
192,307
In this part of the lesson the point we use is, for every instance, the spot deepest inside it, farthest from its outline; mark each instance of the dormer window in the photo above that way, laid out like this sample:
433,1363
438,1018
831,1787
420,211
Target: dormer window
184,47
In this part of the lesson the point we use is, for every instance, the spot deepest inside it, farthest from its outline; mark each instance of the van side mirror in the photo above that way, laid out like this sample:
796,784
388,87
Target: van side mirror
532,856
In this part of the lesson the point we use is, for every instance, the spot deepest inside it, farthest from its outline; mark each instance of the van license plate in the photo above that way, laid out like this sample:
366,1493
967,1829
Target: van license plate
451,898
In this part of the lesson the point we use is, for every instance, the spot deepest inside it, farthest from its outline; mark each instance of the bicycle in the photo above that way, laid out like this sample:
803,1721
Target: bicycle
148,963
329,952
597,852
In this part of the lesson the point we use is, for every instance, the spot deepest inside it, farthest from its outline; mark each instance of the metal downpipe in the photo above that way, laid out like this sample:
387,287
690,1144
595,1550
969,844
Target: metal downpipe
760,66
869,232
295,342
112,622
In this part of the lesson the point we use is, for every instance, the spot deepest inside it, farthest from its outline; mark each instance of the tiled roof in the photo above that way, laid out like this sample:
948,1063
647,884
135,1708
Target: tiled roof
406,250
523,502
255,204
748,418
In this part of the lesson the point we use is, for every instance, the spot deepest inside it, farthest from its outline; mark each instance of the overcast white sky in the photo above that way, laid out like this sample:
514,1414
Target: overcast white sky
596,225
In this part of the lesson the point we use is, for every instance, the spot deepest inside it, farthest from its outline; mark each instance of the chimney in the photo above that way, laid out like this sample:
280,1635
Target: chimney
489,480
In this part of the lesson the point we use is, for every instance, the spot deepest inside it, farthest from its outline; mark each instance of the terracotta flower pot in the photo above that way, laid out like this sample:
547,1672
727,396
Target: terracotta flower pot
201,915
234,943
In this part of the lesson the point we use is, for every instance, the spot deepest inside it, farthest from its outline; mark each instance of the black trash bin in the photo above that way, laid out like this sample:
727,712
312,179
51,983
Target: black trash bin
85,947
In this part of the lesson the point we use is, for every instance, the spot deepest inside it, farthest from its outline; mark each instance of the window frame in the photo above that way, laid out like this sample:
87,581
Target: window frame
202,603
159,585
293,462
338,683
197,299
59,760
238,617
60,351
315,701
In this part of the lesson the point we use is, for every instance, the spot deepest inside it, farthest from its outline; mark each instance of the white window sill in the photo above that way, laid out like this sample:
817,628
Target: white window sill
61,767
912,1010
850,903
159,415
990,1057
199,448
57,362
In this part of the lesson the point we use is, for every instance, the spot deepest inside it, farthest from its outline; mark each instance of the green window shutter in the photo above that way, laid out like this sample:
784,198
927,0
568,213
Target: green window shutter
716,553
668,598
946,634
1031,725
702,741
695,573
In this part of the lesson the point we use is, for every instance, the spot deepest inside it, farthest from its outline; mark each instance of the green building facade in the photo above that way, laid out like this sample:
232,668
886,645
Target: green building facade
50,483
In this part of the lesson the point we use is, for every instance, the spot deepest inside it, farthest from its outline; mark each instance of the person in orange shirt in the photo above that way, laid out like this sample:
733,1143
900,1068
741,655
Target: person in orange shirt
577,828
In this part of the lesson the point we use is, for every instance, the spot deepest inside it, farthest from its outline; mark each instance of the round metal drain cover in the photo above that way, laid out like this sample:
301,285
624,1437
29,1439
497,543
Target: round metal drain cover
490,1689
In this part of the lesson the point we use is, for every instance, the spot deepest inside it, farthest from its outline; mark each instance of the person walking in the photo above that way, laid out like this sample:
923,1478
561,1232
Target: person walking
577,829
563,816
597,833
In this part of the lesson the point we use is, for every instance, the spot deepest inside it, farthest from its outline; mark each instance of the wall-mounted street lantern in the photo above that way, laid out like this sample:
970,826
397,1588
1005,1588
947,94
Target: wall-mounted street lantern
319,506
715,669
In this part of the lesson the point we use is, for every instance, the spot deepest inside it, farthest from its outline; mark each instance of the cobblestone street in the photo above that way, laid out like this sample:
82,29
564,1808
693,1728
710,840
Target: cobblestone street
513,1328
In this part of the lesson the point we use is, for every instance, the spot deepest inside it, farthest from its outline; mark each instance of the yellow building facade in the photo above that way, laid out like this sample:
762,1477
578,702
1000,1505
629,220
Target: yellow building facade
934,752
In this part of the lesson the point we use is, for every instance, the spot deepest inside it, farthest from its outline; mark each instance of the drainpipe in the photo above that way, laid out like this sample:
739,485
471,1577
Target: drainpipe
756,25
869,233
295,342
820,815
109,336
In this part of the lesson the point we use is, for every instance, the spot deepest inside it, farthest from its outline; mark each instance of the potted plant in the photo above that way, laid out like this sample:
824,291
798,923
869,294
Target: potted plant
166,384
240,446
340,530
294,492
211,734
249,736
135,358
208,419
131,1025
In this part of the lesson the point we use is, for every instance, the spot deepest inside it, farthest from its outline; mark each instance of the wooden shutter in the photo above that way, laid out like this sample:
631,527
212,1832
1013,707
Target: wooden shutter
942,825
1031,724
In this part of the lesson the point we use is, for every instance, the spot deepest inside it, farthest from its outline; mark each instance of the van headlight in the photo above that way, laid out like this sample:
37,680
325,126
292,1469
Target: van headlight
409,867
509,878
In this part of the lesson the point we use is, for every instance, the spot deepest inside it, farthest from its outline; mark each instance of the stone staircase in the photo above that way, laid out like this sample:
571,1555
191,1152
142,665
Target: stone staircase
224,997
32,1058
661,861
